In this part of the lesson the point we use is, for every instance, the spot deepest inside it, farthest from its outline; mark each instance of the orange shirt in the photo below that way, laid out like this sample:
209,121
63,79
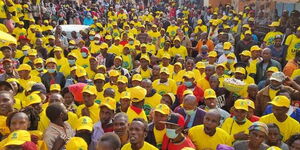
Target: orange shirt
209,44
290,67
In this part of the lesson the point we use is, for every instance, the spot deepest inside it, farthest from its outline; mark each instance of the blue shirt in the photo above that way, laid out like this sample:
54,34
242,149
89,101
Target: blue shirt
190,123
294,112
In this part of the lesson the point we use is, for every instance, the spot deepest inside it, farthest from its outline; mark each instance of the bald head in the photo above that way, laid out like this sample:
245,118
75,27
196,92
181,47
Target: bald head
109,92
214,113
190,102
210,70
266,54
147,84
252,86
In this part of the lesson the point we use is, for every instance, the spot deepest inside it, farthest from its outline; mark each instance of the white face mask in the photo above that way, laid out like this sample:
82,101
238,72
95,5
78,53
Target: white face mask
171,133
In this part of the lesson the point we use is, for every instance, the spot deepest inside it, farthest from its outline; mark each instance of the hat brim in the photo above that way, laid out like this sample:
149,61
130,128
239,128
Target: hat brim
160,111
278,105
241,108
106,105
207,97
14,142
85,127
271,78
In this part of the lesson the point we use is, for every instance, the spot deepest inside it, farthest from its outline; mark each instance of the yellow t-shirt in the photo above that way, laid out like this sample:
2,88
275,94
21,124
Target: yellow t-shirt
100,97
95,48
127,62
23,82
232,128
293,43
2,10
202,28
154,35
94,112
203,83
222,78
132,114
159,135
162,88
252,66
4,130
146,74
153,101
61,62
172,30
204,141
162,52
287,128
3,28
295,73
182,51
146,146
151,48
116,49
272,93
270,37
83,62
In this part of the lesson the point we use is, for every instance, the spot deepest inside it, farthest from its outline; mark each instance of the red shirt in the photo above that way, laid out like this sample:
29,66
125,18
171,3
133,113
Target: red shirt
254,118
123,43
168,145
198,92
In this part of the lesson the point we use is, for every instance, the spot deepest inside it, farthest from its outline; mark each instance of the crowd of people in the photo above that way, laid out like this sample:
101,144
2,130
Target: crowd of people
147,75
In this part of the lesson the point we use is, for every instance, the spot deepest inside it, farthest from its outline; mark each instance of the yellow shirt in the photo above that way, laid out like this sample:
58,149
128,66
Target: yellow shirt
4,130
94,48
222,78
203,141
83,62
252,66
270,36
153,101
94,112
159,135
146,146
203,83
287,128
127,62
295,73
162,88
146,74
3,28
154,35
132,114
151,48
293,43
172,30
100,97
61,62
177,78
182,51
19,31
116,49
202,28
232,128
272,93
2,10
23,82
162,52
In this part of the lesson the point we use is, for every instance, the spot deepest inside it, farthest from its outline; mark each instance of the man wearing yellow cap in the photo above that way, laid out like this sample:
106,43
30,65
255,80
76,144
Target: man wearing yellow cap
209,71
287,125
89,108
76,143
113,78
107,112
59,57
292,42
116,48
178,49
135,110
152,98
165,84
157,129
244,44
99,81
237,127
118,66
24,73
270,36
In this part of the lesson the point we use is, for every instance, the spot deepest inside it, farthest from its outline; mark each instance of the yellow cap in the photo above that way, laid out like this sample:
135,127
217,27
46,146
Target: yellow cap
89,89
33,99
179,64
136,77
231,55
122,79
46,21
274,24
99,76
164,70
274,148
113,73
236,19
55,87
250,103
109,102
212,54
209,93
226,27
38,61
125,95
199,21
114,23
103,46
187,92
227,46
272,69
72,54
241,104
51,37
143,45
251,19
26,48
13,80
240,70
298,29
80,71
189,74
166,55
92,32
177,39
101,66
200,65
117,38
248,32
138,94
76,143
108,37
246,53
146,57
255,48
57,48
84,123
118,57
162,108
51,60
32,52
18,137
21,23
246,26
224,17
215,22
281,101
23,67
172,96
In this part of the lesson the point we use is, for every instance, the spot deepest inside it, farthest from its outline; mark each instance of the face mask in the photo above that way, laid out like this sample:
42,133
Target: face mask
275,87
40,69
83,54
188,83
119,67
97,42
190,112
131,42
91,37
171,133
71,61
51,70
71,47
226,52
25,53
235,119
230,61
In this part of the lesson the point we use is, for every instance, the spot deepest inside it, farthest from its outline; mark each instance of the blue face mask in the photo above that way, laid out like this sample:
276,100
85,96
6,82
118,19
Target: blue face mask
131,42
230,61
71,61
226,52
71,47
51,70
188,83
92,37
190,112
40,69
171,133
83,54
235,119
25,53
